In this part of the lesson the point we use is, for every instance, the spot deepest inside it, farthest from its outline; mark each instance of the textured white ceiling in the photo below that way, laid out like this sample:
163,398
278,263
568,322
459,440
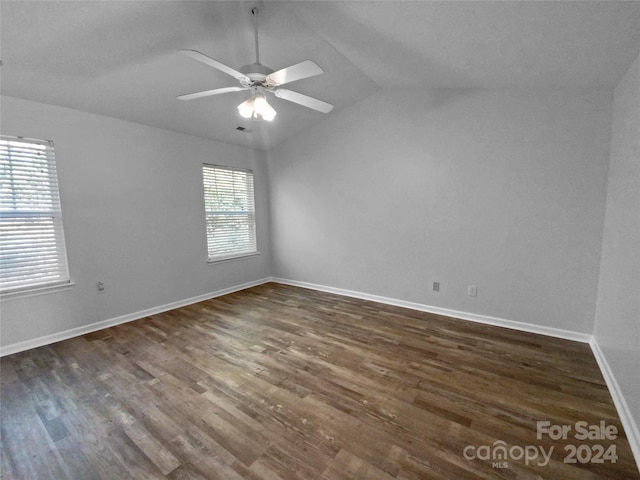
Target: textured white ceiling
120,58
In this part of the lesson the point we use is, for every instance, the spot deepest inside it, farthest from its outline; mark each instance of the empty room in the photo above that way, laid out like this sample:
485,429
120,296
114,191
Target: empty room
320,240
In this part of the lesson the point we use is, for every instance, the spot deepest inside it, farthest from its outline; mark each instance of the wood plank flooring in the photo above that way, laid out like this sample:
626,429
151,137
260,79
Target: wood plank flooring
277,382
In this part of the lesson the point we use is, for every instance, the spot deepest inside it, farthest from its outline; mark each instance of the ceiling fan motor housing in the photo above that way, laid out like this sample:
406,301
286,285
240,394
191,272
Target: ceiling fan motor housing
256,72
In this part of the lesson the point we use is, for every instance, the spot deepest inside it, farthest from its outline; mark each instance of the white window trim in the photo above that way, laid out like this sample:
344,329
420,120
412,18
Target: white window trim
231,257
63,281
226,257
36,291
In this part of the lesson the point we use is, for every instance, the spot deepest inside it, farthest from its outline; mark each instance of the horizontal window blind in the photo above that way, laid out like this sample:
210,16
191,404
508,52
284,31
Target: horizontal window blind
32,249
230,211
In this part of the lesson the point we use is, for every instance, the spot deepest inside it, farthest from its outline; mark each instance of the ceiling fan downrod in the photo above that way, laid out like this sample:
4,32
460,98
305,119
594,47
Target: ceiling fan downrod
254,12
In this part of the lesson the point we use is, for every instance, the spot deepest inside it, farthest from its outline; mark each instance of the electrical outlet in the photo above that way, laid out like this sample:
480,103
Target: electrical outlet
436,286
473,291
100,287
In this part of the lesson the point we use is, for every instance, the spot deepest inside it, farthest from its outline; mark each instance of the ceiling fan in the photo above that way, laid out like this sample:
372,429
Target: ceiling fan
261,80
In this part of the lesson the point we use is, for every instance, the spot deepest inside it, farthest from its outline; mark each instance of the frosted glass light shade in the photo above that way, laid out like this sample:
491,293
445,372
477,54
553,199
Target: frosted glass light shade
246,108
257,107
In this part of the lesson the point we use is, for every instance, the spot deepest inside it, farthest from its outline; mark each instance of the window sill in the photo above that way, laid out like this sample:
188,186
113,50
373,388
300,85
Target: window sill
232,257
36,291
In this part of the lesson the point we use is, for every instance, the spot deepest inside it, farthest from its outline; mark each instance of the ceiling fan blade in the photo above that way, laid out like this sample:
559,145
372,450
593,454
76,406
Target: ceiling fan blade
201,57
295,72
207,93
303,100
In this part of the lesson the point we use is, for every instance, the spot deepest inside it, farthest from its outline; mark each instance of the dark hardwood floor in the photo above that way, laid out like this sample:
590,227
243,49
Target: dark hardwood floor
278,382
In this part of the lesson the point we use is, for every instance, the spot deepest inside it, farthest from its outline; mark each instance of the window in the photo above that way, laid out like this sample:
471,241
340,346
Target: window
230,212
32,250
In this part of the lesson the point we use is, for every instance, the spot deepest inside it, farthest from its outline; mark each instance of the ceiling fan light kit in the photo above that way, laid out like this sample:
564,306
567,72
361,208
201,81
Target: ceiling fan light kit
261,80
257,107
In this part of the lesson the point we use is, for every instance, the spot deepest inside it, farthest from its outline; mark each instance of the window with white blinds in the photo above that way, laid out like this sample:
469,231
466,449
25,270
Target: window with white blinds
32,249
230,212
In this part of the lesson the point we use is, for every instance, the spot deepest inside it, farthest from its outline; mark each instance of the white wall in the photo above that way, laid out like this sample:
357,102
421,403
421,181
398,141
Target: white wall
617,328
133,217
503,189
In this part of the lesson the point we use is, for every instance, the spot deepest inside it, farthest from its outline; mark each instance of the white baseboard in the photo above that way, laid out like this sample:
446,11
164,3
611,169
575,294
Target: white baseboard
624,412
473,317
74,332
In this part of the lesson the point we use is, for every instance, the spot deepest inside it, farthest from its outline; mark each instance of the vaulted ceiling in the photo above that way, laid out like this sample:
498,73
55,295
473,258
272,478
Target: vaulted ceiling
121,59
